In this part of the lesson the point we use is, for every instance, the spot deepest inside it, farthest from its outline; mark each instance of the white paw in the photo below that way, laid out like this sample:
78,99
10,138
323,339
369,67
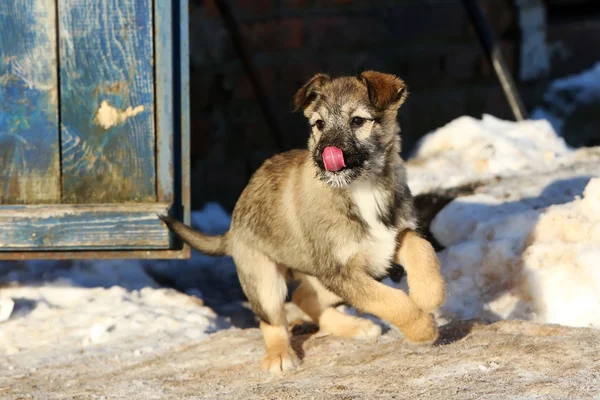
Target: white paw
352,327
368,330
276,363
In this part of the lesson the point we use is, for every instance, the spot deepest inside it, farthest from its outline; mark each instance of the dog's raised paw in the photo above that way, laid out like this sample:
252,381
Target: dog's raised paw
278,362
431,296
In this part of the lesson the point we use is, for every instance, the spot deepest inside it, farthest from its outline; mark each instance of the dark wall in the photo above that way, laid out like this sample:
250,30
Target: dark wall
429,43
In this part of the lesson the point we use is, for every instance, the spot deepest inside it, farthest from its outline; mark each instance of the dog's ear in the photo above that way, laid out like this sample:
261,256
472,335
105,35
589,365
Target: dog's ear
385,90
309,91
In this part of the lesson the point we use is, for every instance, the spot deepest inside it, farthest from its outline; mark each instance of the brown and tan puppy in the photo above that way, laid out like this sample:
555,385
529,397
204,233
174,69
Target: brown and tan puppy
335,217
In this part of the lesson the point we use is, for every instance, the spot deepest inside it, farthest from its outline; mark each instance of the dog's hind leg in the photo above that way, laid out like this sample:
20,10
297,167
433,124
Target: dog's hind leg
318,303
425,282
263,282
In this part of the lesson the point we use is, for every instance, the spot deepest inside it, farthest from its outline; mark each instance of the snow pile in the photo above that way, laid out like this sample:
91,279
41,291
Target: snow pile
467,149
561,266
512,261
524,244
566,95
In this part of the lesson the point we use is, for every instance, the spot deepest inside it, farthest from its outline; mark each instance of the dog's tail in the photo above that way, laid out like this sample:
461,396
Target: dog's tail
209,245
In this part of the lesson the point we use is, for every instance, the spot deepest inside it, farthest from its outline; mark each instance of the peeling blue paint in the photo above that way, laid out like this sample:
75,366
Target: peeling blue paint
78,227
29,153
106,55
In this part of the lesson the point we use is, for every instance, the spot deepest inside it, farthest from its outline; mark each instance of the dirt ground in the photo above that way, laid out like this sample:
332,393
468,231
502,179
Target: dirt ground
472,360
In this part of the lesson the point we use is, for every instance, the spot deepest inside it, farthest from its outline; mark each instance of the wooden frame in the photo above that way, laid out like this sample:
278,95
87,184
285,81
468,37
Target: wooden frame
171,98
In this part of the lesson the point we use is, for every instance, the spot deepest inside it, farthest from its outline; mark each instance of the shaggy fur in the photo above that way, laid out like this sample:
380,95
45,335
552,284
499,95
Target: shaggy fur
338,233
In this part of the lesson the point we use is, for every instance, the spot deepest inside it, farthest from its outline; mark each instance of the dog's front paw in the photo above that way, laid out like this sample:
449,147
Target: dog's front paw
367,330
422,330
428,294
337,323
277,362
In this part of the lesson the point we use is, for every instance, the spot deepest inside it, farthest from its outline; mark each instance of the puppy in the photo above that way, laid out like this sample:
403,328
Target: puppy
335,217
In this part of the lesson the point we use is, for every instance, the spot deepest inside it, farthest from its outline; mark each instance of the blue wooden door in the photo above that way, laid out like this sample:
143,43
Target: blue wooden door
29,148
90,148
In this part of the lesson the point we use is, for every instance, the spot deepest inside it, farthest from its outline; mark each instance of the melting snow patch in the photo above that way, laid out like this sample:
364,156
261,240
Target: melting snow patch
71,317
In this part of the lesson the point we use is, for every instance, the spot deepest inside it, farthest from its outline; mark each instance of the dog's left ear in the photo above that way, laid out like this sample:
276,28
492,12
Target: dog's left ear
309,92
385,90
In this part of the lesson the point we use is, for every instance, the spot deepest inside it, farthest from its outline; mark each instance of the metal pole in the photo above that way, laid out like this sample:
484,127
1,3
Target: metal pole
494,56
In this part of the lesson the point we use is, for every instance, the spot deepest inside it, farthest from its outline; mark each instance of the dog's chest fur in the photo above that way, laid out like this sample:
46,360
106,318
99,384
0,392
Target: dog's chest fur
380,242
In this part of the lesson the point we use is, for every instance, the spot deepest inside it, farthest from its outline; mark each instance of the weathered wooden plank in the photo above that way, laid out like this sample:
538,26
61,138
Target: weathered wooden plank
107,101
163,42
183,47
84,227
29,150
182,254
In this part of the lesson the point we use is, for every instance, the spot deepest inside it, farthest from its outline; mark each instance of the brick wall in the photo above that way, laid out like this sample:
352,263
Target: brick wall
429,43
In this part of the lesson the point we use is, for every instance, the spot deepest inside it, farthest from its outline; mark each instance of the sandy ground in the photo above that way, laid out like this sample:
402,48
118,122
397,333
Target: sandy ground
504,360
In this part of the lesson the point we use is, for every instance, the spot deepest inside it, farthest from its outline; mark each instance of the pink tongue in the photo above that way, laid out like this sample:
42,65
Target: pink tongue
333,158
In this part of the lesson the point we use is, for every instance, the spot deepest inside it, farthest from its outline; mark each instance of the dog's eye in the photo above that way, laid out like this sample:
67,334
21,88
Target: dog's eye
320,124
358,121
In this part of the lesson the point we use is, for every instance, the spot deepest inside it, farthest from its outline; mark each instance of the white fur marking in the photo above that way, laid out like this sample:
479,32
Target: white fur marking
314,118
381,244
337,179
362,112
365,130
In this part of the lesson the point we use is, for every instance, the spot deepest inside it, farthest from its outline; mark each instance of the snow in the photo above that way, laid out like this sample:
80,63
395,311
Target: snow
55,316
82,304
214,279
565,95
524,245
561,267
468,149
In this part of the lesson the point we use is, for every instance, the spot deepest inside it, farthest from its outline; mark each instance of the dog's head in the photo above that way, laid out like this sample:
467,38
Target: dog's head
353,123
